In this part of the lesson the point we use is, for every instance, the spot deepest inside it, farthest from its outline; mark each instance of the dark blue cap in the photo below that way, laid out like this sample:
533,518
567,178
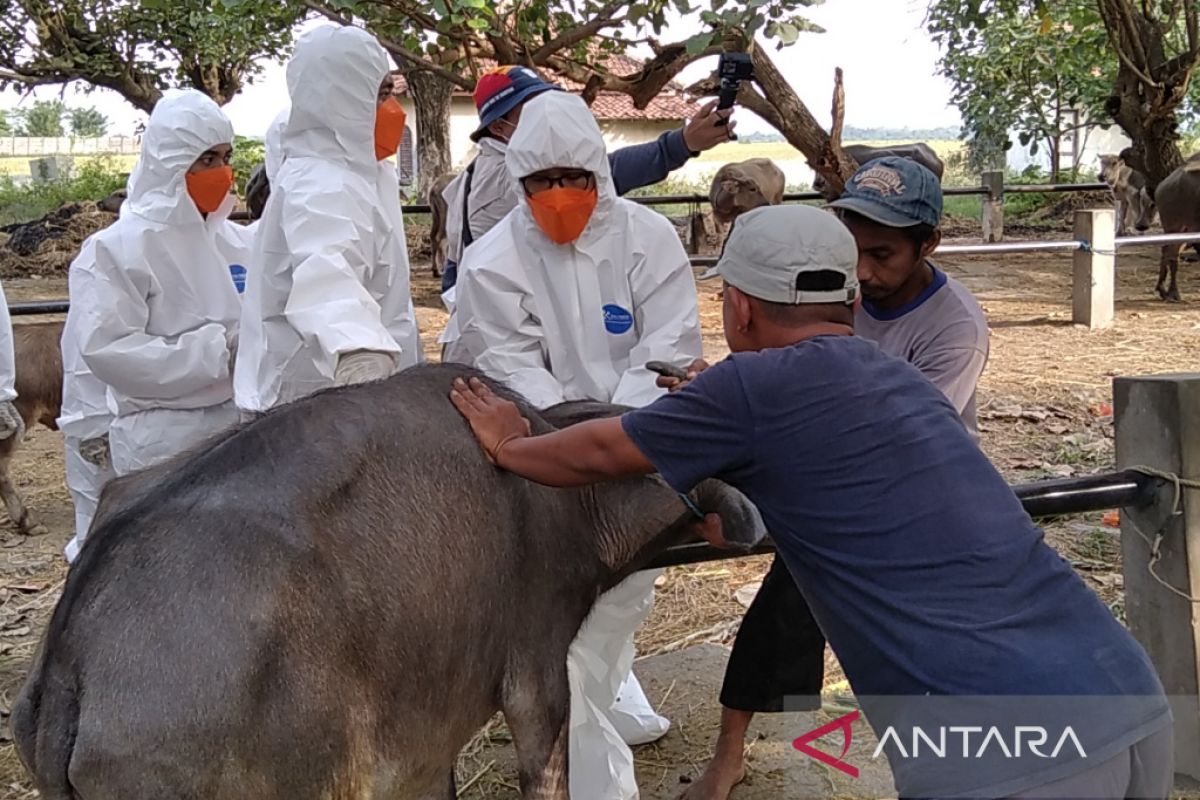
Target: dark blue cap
893,191
502,89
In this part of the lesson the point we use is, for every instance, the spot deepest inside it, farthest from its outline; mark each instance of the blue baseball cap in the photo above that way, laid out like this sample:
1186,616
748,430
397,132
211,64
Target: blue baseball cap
893,191
502,89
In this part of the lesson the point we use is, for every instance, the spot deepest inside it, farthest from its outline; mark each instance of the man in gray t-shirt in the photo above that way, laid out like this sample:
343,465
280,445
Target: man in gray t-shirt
910,308
912,311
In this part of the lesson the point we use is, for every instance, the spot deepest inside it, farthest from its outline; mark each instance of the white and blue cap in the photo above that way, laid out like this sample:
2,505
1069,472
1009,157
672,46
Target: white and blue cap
893,191
782,254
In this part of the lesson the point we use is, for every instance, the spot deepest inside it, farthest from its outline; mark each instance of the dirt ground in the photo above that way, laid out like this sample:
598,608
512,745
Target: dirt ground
1044,411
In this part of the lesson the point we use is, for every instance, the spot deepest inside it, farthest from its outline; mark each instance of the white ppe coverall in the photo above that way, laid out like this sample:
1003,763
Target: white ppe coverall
85,413
569,322
8,360
331,264
157,306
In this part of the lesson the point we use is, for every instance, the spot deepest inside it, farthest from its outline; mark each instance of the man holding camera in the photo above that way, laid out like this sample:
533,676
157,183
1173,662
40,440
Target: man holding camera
482,195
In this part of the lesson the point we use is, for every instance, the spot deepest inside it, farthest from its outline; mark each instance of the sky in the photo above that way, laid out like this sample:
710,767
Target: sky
888,60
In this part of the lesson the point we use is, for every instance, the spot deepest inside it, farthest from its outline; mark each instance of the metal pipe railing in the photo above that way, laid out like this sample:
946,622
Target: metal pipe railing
1042,499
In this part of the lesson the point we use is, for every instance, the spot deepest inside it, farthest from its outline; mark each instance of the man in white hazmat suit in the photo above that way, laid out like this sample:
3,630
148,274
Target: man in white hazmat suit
329,302
568,298
153,294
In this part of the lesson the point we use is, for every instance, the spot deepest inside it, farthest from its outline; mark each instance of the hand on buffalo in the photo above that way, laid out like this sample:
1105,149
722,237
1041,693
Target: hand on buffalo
361,366
702,131
709,529
11,423
674,384
95,451
494,420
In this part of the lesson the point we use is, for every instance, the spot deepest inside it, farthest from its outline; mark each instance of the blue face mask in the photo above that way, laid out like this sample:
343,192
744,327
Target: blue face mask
238,272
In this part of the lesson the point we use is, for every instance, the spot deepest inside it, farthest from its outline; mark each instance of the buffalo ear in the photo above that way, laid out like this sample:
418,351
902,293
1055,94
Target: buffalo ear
741,523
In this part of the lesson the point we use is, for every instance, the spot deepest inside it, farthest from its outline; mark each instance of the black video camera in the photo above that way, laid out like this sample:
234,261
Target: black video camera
732,69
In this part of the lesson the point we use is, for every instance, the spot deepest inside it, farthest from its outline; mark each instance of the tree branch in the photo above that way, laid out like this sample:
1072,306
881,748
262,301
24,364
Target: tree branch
403,54
573,36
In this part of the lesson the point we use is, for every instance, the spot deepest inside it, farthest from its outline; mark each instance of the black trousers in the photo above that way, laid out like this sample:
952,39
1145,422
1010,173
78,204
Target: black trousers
779,652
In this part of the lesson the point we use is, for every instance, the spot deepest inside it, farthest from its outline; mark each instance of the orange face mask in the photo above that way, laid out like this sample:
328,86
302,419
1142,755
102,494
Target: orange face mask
562,213
208,189
389,128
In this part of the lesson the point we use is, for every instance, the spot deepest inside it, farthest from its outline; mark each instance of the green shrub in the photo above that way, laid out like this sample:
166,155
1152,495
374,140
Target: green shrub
247,154
94,179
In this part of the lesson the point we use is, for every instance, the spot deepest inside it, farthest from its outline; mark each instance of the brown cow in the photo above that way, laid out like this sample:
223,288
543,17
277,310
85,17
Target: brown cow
38,357
437,225
1178,199
1133,203
745,185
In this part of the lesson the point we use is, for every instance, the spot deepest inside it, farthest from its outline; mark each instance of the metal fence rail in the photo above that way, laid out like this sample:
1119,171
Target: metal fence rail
1041,499
800,197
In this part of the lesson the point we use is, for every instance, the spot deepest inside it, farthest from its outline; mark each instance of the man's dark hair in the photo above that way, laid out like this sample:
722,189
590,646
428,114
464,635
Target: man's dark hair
798,315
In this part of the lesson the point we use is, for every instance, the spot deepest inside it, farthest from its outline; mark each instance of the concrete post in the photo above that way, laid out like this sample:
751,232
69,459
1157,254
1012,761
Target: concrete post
1095,269
993,207
1158,425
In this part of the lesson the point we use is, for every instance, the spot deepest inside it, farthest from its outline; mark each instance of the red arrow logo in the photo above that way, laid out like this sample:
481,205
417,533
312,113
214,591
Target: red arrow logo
843,722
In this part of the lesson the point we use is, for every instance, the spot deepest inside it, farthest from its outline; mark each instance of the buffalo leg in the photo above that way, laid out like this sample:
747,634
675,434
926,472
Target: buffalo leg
537,709
1168,267
12,500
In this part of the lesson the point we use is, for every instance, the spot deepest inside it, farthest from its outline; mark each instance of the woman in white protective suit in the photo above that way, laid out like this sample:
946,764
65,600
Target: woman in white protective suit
330,304
568,298
153,299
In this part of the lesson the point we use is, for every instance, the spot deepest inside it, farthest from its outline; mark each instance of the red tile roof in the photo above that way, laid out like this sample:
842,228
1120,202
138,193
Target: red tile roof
671,105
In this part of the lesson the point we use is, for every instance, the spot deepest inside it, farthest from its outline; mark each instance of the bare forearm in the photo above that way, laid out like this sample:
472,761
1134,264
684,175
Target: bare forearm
582,454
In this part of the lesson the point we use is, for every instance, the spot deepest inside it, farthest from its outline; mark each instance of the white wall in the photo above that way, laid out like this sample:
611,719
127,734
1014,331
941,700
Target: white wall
1098,142
68,145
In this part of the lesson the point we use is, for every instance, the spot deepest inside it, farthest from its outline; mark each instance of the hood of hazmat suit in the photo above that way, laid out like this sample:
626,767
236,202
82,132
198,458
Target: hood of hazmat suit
574,321
273,144
153,302
579,320
332,273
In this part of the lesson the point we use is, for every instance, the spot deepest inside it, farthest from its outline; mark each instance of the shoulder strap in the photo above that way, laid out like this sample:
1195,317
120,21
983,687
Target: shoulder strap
467,238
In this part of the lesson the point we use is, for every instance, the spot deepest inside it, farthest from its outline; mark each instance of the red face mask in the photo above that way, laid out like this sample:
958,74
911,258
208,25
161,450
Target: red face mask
562,213
208,189
389,128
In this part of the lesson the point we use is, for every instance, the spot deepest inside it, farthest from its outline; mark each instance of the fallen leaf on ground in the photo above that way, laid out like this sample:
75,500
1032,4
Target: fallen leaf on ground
1112,519
746,594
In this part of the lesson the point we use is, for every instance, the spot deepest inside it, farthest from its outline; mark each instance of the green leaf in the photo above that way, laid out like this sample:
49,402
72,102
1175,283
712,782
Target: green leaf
787,33
698,43
478,24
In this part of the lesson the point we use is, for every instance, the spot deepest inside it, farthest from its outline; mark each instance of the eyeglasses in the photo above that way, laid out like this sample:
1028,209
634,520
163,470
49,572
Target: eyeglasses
578,179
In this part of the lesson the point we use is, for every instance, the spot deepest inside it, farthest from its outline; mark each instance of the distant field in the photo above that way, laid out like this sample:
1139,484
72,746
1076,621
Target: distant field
19,165
782,151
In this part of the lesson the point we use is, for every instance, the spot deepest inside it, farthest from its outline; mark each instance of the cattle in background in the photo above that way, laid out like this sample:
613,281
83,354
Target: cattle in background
438,212
342,592
38,356
1134,206
1178,201
745,185
112,203
919,152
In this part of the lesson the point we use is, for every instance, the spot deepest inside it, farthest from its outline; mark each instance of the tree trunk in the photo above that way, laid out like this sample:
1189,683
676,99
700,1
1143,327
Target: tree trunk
1150,85
431,98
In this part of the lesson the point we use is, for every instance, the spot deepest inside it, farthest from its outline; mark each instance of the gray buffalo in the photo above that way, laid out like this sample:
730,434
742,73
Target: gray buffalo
327,602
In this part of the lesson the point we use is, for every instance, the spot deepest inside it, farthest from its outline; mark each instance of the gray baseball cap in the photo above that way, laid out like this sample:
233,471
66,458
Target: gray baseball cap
893,191
771,248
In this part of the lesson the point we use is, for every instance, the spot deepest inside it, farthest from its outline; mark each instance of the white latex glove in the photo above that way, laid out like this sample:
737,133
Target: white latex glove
95,451
231,344
362,366
11,423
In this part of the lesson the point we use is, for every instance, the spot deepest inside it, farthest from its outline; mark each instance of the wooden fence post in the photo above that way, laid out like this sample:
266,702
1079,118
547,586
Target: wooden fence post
1094,280
1158,425
993,207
